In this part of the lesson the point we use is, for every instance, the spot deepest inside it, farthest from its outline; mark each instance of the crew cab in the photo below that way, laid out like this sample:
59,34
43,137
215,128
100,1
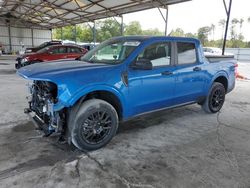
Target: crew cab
84,100
55,52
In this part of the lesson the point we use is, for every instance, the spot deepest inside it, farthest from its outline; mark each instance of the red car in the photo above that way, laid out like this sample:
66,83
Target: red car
51,53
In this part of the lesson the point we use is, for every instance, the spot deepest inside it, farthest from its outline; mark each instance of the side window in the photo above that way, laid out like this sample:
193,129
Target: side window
62,50
58,50
54,51
159,54
74,50
186,53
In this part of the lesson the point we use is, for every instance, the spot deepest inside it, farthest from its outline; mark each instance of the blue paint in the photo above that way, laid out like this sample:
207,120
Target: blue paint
147,90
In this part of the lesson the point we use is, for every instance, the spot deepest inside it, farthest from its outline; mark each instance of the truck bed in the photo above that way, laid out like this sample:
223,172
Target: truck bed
217,58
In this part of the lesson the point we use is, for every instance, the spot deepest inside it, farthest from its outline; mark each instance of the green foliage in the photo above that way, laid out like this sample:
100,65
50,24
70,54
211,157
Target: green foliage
152,32
203,33
191,35
83,33
133,28
178,32
108,28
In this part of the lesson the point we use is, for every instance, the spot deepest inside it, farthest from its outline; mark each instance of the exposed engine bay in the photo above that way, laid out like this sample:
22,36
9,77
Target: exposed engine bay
43,96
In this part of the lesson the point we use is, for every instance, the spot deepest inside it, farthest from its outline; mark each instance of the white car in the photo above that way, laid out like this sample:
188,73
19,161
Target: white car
214,51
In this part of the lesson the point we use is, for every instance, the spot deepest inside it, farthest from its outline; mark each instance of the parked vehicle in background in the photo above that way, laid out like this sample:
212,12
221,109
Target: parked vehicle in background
214,51
122,78
1,49
43,45
88,46
55,52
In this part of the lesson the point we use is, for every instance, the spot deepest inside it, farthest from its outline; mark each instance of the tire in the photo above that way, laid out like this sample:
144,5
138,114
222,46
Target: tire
95,124
215,98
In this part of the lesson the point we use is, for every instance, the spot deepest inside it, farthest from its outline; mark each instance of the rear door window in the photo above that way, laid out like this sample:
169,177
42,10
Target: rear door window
186,53
74,50
58,50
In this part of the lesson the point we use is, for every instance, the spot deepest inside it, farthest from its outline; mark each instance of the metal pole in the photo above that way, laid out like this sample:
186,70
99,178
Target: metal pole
61,33
166,21
227,23
9,31
165,18
51,34
75,33
94,33
122,27
32,37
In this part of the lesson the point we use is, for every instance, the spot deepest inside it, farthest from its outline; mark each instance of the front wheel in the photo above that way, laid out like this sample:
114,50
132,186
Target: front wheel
95,125
215,98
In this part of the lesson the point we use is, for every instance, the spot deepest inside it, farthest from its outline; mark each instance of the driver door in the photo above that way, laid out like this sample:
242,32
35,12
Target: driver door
150,90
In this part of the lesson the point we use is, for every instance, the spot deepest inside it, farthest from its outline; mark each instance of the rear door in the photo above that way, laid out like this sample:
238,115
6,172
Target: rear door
73,52
190,73
58,52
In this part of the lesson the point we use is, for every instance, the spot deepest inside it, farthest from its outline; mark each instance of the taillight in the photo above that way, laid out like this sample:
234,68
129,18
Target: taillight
236,69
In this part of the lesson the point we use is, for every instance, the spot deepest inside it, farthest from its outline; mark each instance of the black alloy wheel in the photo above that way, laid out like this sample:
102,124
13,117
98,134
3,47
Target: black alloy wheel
94,125
215,98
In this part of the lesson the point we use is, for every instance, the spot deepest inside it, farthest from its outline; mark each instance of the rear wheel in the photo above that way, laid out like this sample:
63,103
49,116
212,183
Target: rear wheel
215,98
95,125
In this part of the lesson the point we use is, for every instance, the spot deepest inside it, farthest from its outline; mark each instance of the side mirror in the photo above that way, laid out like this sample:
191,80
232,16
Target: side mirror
50,52
142,64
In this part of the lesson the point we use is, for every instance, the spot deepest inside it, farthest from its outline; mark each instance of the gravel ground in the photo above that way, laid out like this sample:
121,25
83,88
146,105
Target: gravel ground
182,147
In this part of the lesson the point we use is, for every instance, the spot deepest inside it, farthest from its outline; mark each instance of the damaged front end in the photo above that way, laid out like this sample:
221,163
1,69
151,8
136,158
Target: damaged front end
42,99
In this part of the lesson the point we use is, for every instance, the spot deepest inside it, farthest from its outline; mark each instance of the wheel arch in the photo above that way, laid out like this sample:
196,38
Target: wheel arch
220,77
223,80
109,95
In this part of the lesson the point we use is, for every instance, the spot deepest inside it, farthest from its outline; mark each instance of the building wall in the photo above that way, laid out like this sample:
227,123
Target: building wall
22,37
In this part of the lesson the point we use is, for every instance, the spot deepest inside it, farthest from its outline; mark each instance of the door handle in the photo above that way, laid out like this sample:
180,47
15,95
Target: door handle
196,69
166,73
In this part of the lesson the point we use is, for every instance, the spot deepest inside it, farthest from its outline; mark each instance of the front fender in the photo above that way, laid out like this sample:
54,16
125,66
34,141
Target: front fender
67,100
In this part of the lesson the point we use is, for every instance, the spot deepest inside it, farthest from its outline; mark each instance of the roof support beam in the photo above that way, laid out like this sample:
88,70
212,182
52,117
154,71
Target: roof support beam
228,12
10,42
165,18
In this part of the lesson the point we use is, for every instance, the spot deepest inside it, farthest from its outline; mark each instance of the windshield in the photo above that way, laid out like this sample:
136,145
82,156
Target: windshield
43,45
111,52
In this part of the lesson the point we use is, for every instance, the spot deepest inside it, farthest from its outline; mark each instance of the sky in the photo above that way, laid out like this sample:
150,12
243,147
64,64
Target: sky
194,14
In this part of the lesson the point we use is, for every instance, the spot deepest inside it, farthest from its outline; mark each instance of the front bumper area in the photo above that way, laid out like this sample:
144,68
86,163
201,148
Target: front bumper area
40,124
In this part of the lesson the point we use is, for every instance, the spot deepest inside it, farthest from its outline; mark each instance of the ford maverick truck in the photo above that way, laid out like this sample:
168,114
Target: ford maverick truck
85,99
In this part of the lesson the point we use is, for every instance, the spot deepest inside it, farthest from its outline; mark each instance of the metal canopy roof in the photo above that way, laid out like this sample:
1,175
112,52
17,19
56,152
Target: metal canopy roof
57,13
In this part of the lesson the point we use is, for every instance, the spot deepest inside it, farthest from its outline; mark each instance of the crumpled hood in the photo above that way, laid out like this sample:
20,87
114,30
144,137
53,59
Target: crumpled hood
48,69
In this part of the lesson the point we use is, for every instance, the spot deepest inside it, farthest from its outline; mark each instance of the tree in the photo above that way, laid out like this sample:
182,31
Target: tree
133,28
234,22
83,33
152,32
241,23
222,24
212,28
191,35
203,33
107,29
178,32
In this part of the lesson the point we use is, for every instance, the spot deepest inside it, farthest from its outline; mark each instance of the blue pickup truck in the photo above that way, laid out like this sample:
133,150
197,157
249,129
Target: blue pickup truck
124,77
